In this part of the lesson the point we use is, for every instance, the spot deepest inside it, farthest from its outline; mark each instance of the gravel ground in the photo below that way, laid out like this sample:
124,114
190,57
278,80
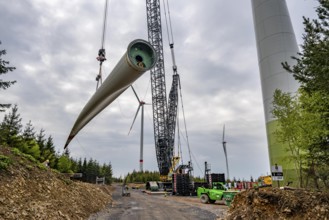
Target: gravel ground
144,206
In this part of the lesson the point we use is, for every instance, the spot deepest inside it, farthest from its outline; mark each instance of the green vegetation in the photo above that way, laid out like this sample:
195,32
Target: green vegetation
15,151
4,162
93,169
64,163
30,158
303,119
142,177
4,69
42,166
24,142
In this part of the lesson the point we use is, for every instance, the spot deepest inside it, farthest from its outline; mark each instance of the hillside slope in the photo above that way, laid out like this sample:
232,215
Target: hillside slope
31,191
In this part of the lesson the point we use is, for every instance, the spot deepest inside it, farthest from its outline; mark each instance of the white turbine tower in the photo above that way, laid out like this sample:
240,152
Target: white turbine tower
225,152
276,43
141,105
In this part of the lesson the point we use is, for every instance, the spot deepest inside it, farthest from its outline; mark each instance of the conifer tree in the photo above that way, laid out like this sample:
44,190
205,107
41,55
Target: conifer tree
5,84
49,153
107,169
28,133
29,144
40,138
10,128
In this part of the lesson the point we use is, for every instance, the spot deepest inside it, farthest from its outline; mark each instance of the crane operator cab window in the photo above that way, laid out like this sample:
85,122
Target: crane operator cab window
218,186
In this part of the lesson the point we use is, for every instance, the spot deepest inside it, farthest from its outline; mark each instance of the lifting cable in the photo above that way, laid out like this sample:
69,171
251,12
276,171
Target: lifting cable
170,35
169,27
196,161
101,52
188,143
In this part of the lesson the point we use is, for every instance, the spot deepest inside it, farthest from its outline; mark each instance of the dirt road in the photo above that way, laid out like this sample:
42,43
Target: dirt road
143,206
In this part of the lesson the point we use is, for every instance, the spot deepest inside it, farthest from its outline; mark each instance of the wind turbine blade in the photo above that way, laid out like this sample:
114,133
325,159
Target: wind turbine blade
124,74
223,133
134,119
135,93
224,142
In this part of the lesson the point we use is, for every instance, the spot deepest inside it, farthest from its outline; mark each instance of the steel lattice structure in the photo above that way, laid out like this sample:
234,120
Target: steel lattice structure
172,114
164,124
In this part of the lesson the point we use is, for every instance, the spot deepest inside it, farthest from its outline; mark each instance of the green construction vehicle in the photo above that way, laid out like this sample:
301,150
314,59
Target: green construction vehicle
217,192
207,195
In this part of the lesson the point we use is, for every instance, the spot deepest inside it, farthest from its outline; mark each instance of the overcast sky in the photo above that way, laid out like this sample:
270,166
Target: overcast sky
54,44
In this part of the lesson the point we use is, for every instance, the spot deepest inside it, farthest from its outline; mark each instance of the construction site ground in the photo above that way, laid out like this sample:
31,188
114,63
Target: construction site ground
31,191
143,205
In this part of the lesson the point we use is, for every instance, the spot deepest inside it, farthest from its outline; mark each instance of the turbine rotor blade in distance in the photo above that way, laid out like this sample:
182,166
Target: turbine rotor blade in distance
134,119
135,93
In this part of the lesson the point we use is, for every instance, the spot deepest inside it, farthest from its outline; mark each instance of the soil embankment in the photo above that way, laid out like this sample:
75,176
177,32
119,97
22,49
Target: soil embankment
275,203
30,191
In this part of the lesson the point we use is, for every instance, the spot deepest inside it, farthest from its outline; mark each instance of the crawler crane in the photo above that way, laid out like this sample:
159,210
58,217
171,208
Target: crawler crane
164,114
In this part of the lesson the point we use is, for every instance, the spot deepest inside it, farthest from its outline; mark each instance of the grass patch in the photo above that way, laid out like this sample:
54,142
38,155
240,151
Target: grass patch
30,158
4,162
16,151
42,166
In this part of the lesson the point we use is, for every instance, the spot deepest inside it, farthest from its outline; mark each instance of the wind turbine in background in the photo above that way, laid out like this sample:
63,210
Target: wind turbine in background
141,105
225,152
